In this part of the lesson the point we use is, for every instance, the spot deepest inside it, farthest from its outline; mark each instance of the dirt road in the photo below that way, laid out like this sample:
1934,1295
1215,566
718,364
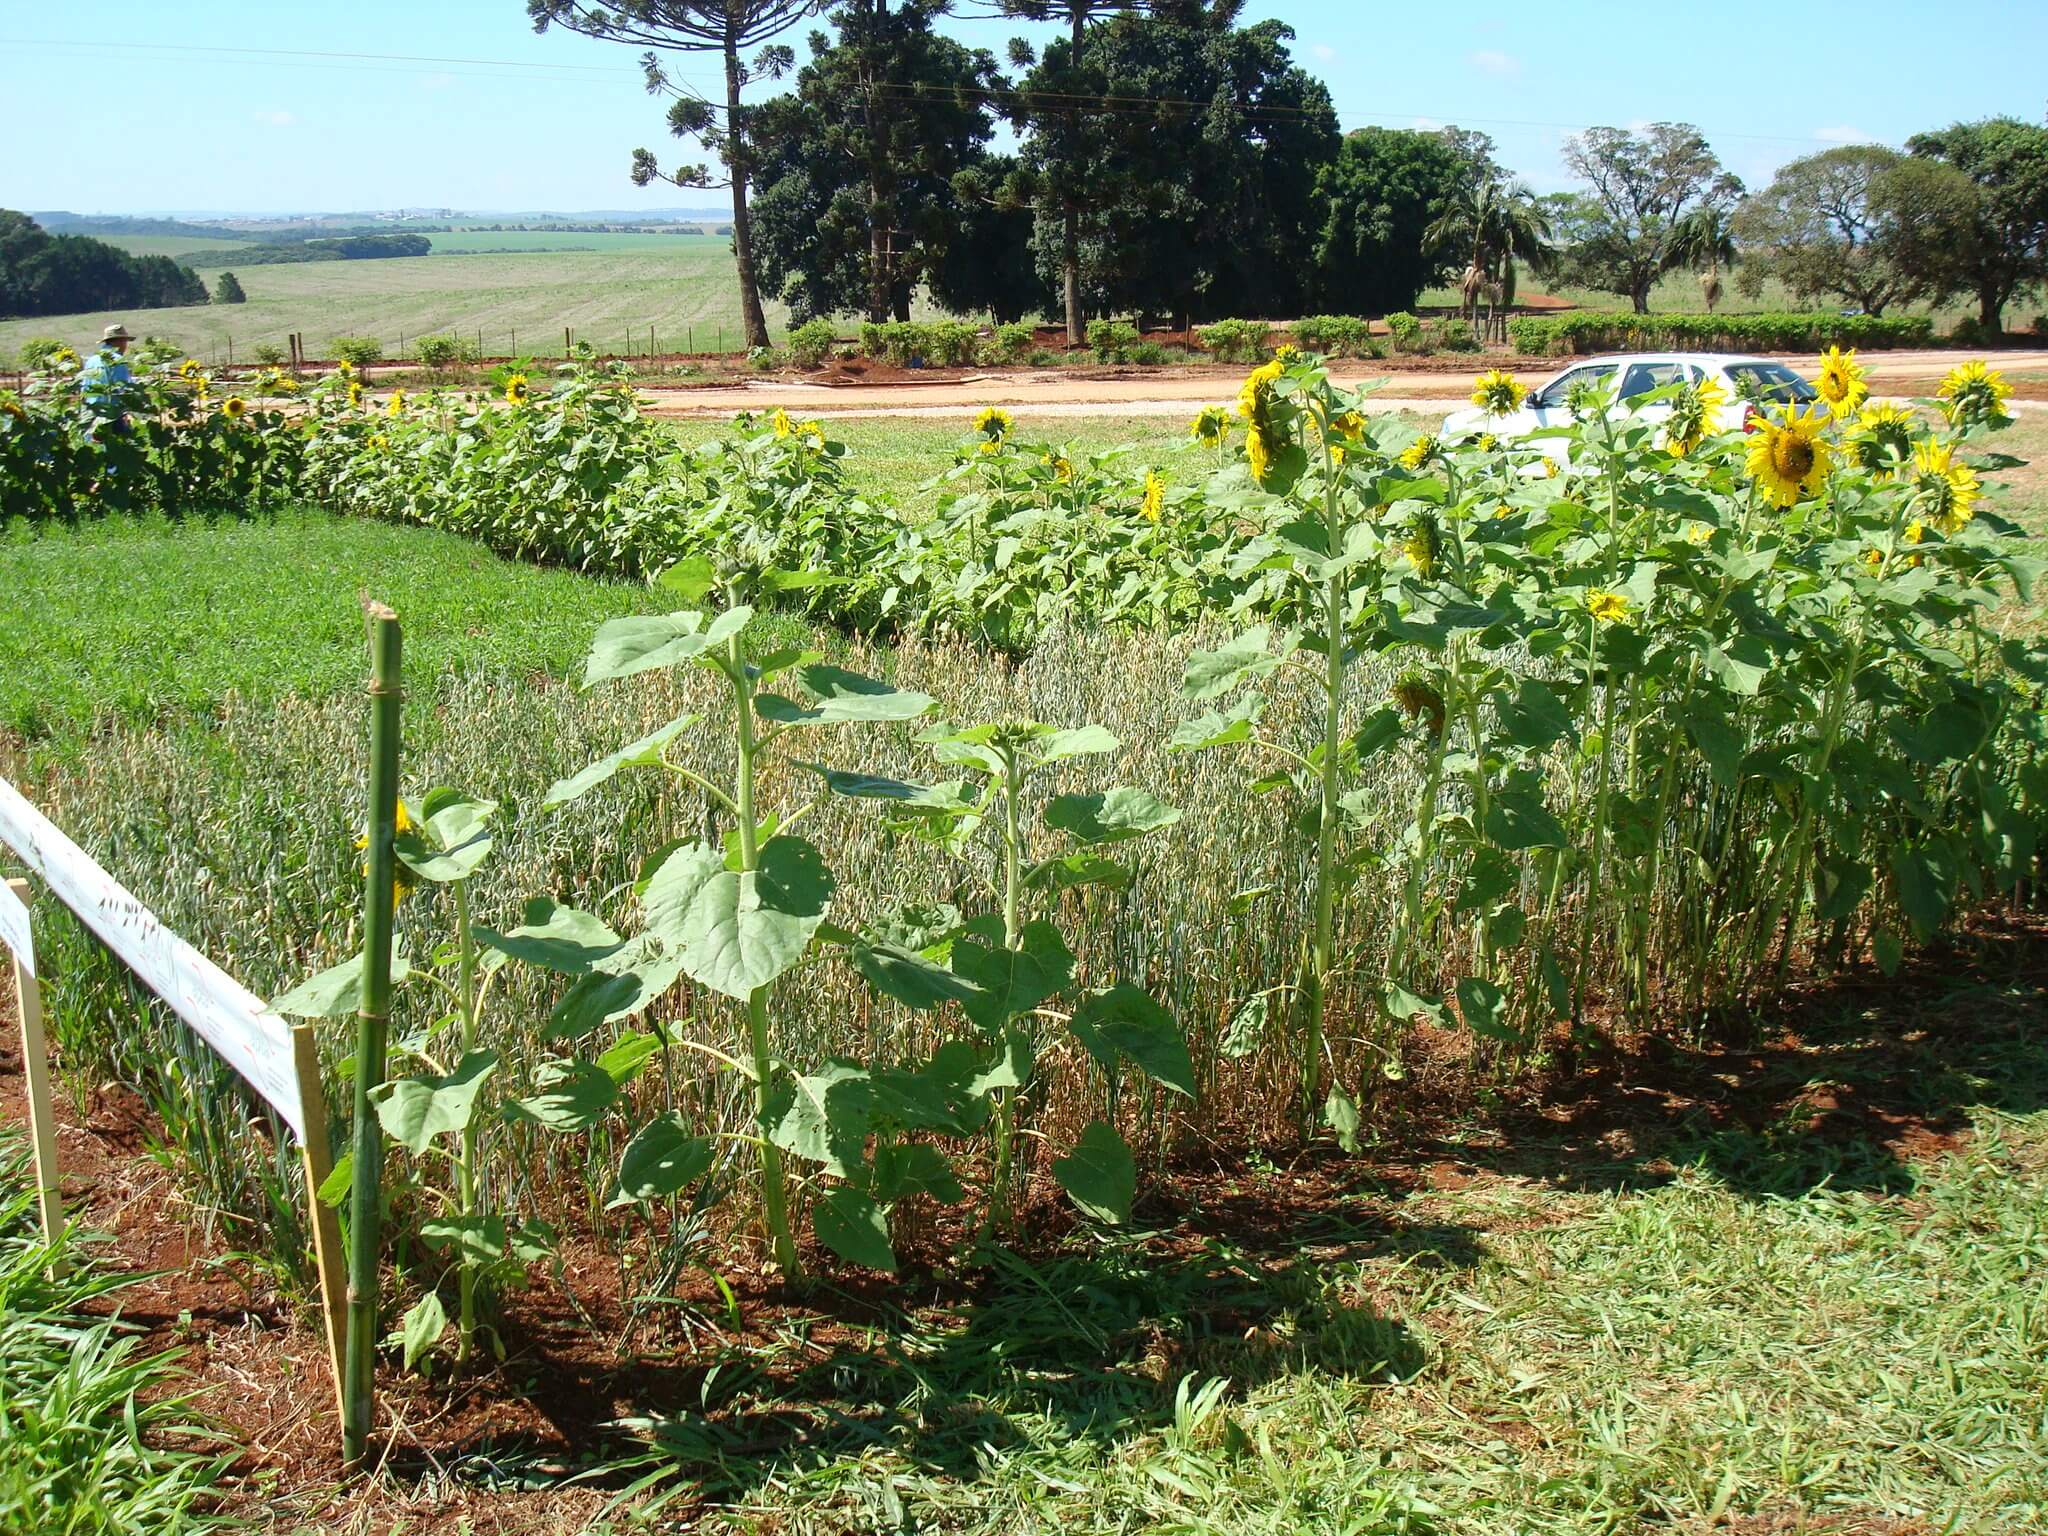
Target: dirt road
1176,390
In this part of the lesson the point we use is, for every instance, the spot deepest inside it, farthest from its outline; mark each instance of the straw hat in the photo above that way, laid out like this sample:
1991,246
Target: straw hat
116,332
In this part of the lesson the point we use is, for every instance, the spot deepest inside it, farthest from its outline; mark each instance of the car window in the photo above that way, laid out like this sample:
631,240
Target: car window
1769,383
1559,389
1641,378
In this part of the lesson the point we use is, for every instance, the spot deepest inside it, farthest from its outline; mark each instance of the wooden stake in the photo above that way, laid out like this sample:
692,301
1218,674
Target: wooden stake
317,1161
35,1069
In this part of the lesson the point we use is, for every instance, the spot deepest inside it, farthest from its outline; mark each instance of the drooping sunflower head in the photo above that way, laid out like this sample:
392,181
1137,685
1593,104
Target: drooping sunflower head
395,406
1348,427
1841,384
1943,492
1422,451
1061,466
1788,459
1254,395
1424,545
1693,415
993,423
1974,395
810,433
517,391
234,407
779,422
190,368
1882,441
355,392
11,407
1258,452
1267,426
1496,393
1211,425
1154,500
1608,607
1418,700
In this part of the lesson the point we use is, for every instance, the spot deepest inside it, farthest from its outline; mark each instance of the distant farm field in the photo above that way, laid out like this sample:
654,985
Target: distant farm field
164,245
682,285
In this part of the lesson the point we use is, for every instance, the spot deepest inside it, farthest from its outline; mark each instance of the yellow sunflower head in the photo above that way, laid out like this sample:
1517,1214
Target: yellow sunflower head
402,879
63,357
1496,393
1348,426
345,369
993,423
1608,607
234,407
1943,492
779,422
1841,384
1551,468
395,406
11,407
1154,500
1254,393
1258,452
190,368
1787,457
1882,442
1061,466
1488,442
1420,452
516,390
1424,545
810,433
355,392
1693,415
1211,425
1286,354
1973,395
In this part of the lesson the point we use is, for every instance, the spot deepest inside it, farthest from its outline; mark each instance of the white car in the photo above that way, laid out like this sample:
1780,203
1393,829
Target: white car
1748,382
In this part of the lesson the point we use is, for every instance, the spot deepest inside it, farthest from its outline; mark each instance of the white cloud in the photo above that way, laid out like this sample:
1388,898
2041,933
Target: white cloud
1492,61
1427,125
275,119
1842,133
1324,52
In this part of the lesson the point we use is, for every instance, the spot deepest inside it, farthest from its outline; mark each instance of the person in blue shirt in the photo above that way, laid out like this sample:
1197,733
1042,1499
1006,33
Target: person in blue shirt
105,376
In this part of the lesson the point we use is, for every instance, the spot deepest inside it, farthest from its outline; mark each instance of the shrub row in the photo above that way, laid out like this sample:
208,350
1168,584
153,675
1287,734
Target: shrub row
1556,335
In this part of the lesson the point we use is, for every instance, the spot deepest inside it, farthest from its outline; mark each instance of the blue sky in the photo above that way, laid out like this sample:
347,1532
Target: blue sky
246,105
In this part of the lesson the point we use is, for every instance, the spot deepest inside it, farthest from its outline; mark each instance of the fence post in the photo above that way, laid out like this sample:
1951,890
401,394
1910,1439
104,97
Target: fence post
316,1160
565,344
367,1157
35,1072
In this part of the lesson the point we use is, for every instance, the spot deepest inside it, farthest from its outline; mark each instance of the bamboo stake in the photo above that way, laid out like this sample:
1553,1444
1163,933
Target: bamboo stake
379,898
35,1071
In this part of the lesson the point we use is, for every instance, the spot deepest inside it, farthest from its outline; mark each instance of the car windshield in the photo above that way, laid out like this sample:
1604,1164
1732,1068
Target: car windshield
1769,383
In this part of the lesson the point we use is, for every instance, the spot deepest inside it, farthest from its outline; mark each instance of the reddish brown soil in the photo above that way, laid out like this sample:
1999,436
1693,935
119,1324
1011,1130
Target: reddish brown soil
1851,1079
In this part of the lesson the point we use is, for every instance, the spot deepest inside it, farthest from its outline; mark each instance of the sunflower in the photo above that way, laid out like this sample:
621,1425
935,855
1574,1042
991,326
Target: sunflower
1882,441
1551,468
355,392
993,423
11,407
1973,393
779,422
191,369
1154,500
1787,458
1496,393
345,369
234,407
395,406
1943,491
1348,425
1488,442
1841,382
1258,452
1608,607
1420,452
1874,558
1286,353
63,357
402,877
1699,533
1252,395
810,433
379,441
1693,415
1416,698
1424,545
1211,425
1061,466
516,392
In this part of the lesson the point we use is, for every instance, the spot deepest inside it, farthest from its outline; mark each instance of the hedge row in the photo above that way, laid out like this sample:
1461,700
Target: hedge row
1554,335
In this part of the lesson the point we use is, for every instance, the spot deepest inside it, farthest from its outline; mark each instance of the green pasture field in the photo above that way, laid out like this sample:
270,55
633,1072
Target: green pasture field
607,242
166,245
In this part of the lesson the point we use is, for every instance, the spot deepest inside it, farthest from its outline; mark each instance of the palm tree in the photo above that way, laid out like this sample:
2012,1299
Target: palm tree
1498,224
1702,242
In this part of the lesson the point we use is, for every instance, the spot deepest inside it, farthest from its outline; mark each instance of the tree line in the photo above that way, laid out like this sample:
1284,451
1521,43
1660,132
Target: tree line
46,274
1173,162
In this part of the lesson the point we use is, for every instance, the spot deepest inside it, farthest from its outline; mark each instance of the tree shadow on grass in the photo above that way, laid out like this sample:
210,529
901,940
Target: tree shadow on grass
1065,1354
1847,1082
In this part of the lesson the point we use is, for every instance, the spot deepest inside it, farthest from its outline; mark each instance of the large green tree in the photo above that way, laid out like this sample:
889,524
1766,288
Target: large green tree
1861,223
1212,140
1380,195
728,28
1642,186
2007,252
857,204
46,274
